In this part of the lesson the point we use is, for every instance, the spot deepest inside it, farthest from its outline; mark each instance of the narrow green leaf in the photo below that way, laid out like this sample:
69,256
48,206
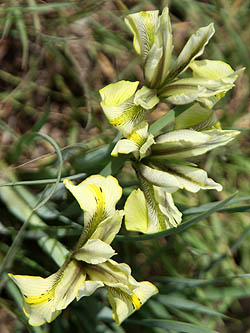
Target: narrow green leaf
48,7
179,302
114,166
183,283
20,23
159,124
171,325
209,205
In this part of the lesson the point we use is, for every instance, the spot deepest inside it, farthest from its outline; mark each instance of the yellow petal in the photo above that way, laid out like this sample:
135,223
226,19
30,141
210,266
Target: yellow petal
119,107
97,196
136,216
94,251
112,274
143,25
108,228
115,94
44,298
211,69
124,304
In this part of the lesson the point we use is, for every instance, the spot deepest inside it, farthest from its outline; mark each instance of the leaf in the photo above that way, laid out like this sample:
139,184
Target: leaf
171,325
20,23
179,302
159,124
114,165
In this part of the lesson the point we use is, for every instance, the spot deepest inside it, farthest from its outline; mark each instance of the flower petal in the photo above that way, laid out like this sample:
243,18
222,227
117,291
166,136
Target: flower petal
108,228
112,274
138,142
44,298
123,304
192,179
38,293
168,208
151,210
88,288
159,178
115,94
97,196
196,117
72,279
194,48
94,251
147,98
187,90
218,70
185,143
124,146
181,95
143,25
153,66
212,69
119,107
165,31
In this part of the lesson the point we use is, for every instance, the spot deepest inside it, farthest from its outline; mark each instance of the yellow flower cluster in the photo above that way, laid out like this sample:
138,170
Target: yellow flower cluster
160,164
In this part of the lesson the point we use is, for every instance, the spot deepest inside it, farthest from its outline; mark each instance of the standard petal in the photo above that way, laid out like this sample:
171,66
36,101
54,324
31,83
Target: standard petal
143,25
124,146
153,66
138,142
109,227
112,274
193,49
136,215
168,208
147,98
94,251
165,31
185,143
88,288
181,95
119,107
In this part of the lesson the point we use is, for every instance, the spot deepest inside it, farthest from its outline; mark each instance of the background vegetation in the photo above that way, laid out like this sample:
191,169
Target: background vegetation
55,56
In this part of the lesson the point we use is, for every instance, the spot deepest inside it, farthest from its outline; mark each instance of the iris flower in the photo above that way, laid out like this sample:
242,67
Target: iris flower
127,107
153,41
151,208
89,266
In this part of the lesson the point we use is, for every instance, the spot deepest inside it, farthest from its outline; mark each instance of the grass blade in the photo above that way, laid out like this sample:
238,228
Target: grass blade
171,325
